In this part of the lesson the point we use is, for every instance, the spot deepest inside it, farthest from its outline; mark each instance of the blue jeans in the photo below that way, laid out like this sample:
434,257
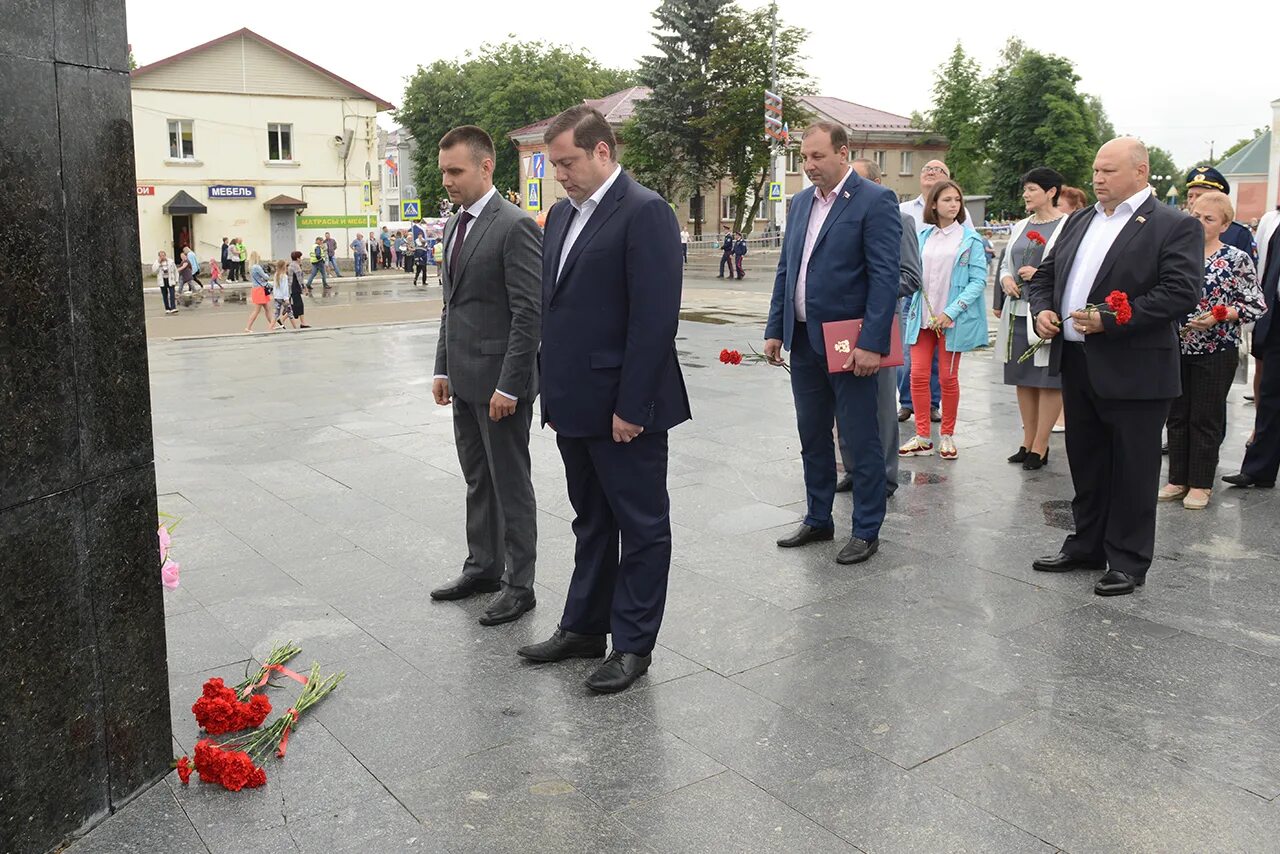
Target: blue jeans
904,374
359,261
333,262
324,277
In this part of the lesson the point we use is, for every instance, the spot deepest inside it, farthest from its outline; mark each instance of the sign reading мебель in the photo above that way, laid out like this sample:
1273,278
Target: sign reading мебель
232,191
353,221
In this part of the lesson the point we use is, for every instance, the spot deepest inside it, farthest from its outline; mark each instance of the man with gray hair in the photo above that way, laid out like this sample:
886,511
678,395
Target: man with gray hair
909,276
485,367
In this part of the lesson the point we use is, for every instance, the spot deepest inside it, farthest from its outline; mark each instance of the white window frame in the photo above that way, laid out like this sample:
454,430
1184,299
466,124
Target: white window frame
879,160
177,126
393,175
280,131
795,161
905,167
726,207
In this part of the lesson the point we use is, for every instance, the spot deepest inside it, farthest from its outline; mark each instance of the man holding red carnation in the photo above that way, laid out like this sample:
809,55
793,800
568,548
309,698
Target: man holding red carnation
1110,297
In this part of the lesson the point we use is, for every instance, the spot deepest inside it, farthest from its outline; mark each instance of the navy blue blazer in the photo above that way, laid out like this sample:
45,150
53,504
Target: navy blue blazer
609,318
853,269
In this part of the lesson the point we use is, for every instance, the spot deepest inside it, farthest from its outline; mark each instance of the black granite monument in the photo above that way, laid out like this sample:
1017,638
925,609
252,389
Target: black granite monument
84,707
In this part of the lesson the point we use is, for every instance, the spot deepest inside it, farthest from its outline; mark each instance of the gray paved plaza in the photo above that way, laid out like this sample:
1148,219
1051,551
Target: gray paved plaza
941,698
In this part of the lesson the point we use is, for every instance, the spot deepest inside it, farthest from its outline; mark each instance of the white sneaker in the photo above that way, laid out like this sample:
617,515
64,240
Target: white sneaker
916,446
947,448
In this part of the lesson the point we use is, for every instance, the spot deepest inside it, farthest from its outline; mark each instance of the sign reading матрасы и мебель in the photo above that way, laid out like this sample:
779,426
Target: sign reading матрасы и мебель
232,191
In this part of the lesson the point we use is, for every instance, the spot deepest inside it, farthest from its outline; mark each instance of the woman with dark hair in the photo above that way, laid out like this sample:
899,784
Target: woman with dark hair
1039,394
296,306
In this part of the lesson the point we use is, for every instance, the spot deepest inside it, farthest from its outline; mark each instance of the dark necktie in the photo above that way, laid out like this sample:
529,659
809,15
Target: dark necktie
459,235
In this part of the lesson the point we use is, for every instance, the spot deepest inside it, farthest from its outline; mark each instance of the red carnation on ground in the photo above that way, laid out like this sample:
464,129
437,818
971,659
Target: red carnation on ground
232,769
1219,313
219,709
184,770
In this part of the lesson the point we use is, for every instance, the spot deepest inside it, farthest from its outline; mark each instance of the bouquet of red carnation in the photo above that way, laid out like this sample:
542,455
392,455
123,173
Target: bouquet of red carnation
221,710
730,357
1116,304
1034,239
236,763
733,357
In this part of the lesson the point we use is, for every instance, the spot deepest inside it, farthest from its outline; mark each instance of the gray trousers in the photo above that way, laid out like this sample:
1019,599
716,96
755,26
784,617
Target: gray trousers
502,516
887,419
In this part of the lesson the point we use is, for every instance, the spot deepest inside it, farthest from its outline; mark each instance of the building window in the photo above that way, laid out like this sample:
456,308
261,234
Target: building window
879,158
181,146
906,169
726,207
393,174
279,142
794,161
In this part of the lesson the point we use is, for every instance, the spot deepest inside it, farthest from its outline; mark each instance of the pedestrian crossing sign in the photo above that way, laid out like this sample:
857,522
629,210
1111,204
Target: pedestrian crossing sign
775,191
410,210
533,195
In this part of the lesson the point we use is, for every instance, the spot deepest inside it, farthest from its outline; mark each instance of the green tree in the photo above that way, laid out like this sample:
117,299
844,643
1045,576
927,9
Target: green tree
673,119
1037,118
740,74
1164,172
959,107
1106,130
500,88
133,63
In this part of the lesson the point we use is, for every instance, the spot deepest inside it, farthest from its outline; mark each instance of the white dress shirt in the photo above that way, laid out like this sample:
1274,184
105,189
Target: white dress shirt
938,261
475,210
819,209
585,210
915,210
1094,246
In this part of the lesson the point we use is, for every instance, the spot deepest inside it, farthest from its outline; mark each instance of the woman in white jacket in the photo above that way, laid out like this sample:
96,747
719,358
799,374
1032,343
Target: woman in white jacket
1039,394
166,273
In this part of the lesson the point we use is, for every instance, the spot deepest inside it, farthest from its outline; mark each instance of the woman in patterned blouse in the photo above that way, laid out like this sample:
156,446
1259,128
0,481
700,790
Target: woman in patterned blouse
1210,354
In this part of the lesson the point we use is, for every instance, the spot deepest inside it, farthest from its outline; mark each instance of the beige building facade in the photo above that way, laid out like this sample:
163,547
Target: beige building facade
240,137
886,138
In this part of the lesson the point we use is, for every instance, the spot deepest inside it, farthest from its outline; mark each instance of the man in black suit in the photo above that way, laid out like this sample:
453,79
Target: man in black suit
1262,457
611,389
1118,380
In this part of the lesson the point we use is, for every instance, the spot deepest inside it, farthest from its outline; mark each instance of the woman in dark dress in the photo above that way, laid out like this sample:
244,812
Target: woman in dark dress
1039,394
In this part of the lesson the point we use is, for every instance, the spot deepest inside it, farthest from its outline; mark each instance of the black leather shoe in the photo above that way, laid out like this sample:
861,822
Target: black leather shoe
1243,479
845,484
1034,461
1065,563
935,415
464,586
511,605
856,551
805,535
617,673
1117,583
904,413
1019,457
562,645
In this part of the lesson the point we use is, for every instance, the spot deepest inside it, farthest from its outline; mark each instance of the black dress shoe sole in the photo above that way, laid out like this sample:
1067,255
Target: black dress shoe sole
1118,591
453,593
824,536
508,617
613,688
1260,484
544,659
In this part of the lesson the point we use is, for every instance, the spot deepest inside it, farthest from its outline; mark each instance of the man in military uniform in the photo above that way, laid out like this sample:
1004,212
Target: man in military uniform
1206,179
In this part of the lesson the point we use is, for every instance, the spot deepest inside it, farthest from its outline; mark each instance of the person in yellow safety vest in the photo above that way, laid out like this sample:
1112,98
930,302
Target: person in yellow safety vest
437,253
319,255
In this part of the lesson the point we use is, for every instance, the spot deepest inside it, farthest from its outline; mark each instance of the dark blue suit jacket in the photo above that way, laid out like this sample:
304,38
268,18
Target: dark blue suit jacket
609,318
853,269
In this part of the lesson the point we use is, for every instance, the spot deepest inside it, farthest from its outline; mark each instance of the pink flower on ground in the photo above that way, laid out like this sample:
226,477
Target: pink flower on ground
169,574
165,542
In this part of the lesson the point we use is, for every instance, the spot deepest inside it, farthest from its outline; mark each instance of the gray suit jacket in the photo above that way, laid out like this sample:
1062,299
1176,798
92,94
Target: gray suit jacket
491,322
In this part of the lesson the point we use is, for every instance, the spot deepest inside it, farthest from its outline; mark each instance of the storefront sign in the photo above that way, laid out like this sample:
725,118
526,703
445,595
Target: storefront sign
232,191
146,190
337,221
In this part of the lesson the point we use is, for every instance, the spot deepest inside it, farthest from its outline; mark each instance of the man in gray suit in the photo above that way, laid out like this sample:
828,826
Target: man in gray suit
485,366
909,275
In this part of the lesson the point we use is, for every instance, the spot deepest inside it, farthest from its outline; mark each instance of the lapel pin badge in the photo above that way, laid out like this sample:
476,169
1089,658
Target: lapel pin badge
1141,219
846,194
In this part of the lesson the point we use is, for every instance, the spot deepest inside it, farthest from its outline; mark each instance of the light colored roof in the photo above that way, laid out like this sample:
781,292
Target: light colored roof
617,109
1253,159
855,116
245,32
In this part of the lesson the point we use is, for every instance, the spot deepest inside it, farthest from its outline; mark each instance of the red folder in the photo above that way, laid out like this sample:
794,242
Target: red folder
841,336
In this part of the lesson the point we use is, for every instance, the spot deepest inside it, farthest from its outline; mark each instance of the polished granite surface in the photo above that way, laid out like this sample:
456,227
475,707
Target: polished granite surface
940,698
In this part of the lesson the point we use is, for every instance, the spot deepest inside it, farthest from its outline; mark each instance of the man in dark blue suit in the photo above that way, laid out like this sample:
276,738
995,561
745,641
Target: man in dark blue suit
839,261
611,389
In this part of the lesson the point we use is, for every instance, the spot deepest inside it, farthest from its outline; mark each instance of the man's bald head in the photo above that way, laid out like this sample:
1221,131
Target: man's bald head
1120,170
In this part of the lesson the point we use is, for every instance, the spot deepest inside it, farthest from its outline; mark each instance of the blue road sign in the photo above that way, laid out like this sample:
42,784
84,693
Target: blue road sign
410,209
539,169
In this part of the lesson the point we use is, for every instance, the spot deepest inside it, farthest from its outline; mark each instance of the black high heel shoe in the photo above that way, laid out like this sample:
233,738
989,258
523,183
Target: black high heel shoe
1019,457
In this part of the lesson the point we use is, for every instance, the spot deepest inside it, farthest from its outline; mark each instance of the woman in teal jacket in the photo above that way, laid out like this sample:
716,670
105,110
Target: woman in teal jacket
948,314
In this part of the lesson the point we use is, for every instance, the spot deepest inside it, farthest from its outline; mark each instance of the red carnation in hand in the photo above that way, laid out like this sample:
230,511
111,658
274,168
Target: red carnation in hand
724,357
735,358
1035,237
1219,313
1118,302
184,770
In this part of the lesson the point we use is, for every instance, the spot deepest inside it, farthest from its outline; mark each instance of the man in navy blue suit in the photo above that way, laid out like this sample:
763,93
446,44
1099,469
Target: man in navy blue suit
840,261
611,389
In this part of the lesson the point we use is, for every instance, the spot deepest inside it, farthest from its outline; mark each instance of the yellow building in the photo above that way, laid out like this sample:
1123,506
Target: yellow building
240,137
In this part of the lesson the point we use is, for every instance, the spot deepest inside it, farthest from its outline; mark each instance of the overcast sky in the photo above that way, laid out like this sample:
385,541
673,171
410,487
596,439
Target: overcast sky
1178,80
